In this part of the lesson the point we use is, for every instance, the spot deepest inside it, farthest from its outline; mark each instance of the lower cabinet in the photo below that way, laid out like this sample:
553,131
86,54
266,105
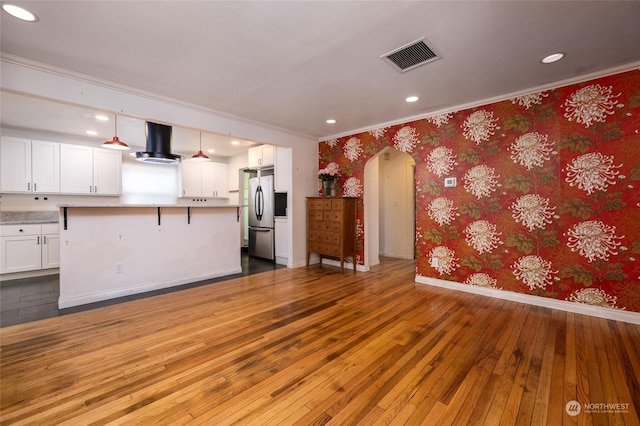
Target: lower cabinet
281,240
29,247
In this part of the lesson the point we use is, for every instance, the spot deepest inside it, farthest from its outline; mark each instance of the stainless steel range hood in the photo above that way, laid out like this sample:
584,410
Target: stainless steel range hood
158,148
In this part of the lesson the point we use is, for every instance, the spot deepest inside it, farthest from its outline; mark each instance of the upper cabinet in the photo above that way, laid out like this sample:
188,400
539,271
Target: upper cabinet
203,179
282,169
92,171
261,156
28,166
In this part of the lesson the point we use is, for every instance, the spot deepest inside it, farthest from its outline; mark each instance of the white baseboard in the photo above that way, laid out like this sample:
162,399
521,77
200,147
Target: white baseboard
563,305
68,302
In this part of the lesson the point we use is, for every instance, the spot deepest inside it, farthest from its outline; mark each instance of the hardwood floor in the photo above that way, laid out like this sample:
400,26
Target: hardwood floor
31,299
311,346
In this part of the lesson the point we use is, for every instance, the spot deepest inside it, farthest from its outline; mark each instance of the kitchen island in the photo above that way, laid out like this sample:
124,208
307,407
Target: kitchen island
110,251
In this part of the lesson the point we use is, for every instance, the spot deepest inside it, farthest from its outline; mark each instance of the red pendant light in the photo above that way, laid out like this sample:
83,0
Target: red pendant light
200,156
115,143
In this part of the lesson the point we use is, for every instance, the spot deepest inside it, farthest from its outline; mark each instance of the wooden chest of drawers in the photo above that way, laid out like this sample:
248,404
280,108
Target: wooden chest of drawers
331,228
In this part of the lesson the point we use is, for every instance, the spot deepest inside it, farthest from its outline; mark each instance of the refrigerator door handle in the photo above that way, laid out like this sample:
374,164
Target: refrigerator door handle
259,202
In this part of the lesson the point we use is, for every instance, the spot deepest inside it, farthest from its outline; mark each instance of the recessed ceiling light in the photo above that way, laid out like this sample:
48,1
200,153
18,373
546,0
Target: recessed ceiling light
92,132
20,13
412,99
211,151
555,57
331,121
101,117
235,143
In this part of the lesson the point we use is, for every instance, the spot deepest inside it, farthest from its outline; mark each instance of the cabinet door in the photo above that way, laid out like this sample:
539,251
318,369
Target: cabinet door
20,253
268,155
282,238
191,179
107,172
220,180
76,169
50,251
45,167
255,156
208,179
282,169
15,165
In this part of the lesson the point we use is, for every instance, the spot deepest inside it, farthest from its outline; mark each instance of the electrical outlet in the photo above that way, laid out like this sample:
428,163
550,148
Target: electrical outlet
119,268
434,262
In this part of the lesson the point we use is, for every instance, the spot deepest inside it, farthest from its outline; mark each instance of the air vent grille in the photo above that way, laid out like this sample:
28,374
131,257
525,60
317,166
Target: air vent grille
411,56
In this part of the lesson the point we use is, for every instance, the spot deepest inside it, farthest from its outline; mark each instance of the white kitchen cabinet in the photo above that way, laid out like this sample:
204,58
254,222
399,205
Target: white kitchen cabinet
203,179
29,247
15,164
107,172
191,178
282,169
92,171
28,166
281,240
220,180
50,246
261,156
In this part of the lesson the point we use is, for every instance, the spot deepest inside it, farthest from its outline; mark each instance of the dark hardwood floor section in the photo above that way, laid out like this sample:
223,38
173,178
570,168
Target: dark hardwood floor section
312,346
31,299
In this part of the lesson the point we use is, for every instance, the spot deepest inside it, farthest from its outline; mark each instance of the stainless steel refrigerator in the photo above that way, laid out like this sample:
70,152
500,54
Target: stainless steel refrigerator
261,223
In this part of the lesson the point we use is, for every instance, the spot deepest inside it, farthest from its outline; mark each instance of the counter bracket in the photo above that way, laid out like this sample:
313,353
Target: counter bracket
189,215
237,214
159,216
64,216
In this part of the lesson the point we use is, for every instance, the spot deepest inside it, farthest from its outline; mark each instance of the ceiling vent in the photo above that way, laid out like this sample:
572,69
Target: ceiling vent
410,56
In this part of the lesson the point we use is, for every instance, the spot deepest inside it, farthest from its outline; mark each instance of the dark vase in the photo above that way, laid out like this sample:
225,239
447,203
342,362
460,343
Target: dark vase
329,188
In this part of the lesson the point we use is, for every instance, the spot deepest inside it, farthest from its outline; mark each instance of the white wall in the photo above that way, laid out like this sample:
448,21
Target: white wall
236,163
397,222
372,212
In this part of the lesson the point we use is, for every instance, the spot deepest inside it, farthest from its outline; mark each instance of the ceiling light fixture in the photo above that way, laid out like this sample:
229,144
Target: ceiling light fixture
555,57
19,12
101,117
92,132
412,99
200,156
331,121
115,143
235,143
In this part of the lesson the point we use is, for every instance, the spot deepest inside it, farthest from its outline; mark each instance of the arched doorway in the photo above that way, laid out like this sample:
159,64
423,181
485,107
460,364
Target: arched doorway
389,207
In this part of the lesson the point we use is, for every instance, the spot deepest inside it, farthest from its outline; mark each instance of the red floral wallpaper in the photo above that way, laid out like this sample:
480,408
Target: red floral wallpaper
547,200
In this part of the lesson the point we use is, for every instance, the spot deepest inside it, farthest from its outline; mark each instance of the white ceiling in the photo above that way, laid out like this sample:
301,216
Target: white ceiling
294,64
